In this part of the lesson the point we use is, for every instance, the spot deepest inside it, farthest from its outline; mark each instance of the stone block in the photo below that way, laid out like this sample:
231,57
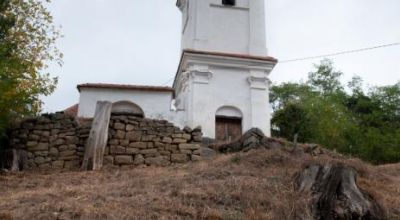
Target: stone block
71,140
176,135
59,164
170,147
40,147
178,140
30,155
150,145
187,129
188,152
134,135
139,159
123,160
149,151
41,153
108,160
129,127
113,142
157,161
41,160
159,145
59,142
132,151
197,138
46,133
148,137
124,142
117,150
189,146
69,158
119,126
197,152
179,158
167,140
139,145
30,144
45,165
72,164
187,136
119,134
67,153
165,152
34,137
196,158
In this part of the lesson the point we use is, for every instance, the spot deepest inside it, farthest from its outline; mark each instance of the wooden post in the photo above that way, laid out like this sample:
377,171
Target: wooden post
97,141
15,161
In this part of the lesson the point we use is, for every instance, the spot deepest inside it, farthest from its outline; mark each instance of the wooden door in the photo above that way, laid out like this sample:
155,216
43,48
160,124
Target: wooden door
228,129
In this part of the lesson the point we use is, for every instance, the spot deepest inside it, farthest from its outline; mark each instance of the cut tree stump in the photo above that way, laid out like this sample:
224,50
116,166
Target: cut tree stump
335,194
97,141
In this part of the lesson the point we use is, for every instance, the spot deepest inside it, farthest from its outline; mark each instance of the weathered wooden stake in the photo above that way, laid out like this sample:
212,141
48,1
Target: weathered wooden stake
97,141
15,161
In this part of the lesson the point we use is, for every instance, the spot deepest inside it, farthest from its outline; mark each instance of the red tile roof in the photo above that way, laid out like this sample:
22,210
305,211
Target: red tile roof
126,87
234,55
72,111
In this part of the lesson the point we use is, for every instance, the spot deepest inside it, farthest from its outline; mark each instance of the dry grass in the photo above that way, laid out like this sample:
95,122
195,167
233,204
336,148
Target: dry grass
253,185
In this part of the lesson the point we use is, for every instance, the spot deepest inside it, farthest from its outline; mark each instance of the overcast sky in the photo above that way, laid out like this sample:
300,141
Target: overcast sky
138,42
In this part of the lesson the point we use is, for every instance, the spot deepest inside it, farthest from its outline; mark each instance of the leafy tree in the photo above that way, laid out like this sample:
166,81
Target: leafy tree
27,45
364,124
325,79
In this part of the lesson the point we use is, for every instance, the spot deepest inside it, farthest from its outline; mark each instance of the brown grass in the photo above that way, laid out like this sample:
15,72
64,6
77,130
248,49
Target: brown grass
253,185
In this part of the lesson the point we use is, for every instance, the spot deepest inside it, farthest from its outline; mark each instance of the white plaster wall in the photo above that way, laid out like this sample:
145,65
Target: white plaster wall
155,105
227,87
208,25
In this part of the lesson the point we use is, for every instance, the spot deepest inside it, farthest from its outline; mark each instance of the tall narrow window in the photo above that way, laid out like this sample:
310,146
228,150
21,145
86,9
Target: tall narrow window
229,2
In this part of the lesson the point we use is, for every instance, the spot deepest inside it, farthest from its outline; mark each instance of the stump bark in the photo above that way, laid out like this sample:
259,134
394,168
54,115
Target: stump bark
336,195
97,141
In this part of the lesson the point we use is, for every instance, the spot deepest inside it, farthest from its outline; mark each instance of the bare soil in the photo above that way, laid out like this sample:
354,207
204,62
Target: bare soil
253,185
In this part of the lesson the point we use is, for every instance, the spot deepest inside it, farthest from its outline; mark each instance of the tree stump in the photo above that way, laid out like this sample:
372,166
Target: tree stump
336,195
97,141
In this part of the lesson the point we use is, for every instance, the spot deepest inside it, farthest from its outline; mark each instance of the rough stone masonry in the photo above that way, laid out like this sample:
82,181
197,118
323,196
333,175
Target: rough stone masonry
57,141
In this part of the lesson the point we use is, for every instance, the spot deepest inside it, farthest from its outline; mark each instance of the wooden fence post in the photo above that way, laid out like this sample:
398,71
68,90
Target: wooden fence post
97,141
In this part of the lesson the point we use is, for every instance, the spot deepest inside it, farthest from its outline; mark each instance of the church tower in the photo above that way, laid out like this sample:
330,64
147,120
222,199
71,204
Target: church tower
231,26
222,79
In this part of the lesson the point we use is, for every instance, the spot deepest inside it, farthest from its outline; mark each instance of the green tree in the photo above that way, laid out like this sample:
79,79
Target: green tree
359,123
27,45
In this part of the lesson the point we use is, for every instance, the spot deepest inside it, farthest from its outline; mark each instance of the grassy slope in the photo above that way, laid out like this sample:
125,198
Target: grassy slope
254,185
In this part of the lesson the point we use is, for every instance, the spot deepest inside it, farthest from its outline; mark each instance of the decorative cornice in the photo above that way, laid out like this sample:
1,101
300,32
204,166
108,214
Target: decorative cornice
258,82
201,76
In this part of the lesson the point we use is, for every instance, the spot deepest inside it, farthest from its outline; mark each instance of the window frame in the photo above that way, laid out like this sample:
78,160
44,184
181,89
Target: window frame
229,3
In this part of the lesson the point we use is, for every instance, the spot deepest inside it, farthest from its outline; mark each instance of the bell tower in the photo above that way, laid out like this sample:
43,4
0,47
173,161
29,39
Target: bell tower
230,26
222,79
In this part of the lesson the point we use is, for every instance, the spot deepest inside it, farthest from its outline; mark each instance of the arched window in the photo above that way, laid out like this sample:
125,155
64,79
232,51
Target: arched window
126,107
228,124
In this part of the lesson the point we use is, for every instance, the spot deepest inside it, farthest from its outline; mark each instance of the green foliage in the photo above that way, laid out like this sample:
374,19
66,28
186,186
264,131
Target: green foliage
362,124
27,45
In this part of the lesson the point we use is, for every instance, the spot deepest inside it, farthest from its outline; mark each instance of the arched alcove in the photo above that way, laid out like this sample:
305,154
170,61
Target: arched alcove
228,124
126,107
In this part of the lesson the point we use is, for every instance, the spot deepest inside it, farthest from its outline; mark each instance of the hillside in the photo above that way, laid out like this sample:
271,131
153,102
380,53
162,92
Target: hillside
253,185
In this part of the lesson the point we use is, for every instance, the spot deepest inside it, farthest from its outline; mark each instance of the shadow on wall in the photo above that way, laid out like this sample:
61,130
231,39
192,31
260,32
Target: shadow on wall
127,108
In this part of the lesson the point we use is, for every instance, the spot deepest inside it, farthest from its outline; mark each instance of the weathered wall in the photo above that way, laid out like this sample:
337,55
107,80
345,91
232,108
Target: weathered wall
49,141
136,141
57,141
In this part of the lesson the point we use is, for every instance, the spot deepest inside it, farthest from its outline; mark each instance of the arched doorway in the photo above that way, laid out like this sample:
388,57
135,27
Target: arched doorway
228,124
127,108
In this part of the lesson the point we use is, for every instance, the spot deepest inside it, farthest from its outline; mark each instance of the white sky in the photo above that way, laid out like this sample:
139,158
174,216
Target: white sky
138,42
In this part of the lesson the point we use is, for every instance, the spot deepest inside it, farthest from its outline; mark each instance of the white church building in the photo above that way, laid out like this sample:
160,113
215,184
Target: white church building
221,83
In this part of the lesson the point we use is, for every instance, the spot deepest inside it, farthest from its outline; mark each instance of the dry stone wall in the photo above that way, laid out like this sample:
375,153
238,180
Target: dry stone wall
137,141
56,141
48,141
